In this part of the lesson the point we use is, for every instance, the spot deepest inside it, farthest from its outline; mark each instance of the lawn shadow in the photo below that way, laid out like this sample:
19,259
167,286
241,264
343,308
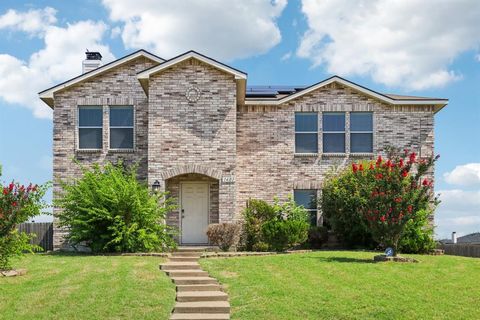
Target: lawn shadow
341,259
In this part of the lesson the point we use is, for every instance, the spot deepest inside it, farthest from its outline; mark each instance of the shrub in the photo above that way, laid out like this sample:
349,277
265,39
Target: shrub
224,235
17,204
260,246
340,203
281,235
317,237
389,201
109,210
256,213
275,227
418,235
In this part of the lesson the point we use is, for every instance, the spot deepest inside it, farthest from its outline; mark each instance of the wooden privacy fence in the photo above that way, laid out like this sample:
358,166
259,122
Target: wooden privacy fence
460,249
43,230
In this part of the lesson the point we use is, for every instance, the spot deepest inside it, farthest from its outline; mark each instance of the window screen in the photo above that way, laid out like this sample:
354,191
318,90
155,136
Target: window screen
121,127
90,127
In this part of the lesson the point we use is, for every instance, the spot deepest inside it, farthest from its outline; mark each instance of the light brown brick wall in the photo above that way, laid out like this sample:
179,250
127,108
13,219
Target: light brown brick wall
199,133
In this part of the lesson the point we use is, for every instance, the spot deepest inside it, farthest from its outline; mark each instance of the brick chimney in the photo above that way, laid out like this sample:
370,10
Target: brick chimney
92,61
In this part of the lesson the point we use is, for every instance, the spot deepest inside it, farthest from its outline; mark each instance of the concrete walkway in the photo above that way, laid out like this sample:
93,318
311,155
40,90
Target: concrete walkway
199,296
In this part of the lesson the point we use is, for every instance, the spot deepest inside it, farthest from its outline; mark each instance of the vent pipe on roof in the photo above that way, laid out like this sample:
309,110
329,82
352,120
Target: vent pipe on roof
92,61
454,237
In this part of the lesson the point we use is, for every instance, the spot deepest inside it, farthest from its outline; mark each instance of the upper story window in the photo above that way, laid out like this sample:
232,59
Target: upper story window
90,127
361,132
121,127
306,132
308,199
333,132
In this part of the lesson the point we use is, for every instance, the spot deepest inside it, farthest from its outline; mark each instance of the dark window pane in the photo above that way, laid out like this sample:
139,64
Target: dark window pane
306,142
305,198
90,116
90,138
121,116
361,121
121,138
306,122
361,142
313,217
334,142
334,121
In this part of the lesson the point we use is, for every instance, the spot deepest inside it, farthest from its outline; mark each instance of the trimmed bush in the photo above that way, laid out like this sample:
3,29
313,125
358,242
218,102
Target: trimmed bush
256,214
224,235
275,227
109,210
317,237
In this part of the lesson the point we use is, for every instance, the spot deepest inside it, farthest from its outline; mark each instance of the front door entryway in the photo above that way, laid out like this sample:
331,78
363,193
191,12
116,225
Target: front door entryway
194,212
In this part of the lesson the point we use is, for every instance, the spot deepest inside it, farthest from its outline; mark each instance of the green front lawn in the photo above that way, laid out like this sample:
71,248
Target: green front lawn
87,287
347,285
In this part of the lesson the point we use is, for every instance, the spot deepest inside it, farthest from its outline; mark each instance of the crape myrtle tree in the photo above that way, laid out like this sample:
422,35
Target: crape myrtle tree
394,192
18,204
387,201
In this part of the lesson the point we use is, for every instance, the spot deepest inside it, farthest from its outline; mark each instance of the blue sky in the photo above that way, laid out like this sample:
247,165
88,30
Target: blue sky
425,48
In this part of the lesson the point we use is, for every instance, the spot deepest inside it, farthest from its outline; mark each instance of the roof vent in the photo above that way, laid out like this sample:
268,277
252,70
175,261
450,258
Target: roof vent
92,62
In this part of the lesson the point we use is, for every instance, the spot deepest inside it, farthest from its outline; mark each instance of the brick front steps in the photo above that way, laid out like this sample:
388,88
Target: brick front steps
199,297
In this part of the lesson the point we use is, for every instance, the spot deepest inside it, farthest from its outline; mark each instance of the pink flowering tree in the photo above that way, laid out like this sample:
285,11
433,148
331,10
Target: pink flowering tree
18,203
394,192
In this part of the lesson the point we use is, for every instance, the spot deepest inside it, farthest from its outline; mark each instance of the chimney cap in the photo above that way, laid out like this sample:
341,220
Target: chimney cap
93,55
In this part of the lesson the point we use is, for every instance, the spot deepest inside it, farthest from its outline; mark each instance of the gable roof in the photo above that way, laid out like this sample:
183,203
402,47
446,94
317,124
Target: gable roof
387,98
47,94
192,54
240,76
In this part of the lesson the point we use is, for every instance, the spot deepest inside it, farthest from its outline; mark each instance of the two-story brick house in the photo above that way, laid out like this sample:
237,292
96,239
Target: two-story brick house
197,131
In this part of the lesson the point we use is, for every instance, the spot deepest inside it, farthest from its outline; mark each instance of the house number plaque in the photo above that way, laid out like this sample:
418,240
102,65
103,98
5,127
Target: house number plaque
228,179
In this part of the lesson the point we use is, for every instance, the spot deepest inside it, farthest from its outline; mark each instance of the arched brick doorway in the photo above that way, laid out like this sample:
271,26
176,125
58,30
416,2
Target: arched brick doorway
197,199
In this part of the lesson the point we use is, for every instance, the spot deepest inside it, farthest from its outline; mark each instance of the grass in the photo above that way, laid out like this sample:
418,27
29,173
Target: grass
348,285
87,287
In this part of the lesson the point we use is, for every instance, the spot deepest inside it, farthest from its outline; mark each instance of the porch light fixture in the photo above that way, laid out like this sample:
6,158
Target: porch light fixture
156,186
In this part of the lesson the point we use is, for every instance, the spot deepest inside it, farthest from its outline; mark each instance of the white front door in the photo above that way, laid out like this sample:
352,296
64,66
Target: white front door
194,211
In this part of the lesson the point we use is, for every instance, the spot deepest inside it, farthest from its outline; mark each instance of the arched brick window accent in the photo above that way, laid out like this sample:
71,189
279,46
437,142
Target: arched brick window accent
191,168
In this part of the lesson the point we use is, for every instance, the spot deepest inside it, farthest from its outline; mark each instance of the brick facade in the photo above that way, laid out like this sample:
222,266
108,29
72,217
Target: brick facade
267,166
243,151
116,87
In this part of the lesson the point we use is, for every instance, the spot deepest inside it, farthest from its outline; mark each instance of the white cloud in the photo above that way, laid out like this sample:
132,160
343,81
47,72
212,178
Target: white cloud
464,175
34,21
459,211
59,60
222,29
401,43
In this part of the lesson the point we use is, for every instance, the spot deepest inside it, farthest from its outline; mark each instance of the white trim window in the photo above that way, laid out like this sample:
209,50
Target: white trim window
90,127
306,132
122,127
333,127
361,132
308,199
